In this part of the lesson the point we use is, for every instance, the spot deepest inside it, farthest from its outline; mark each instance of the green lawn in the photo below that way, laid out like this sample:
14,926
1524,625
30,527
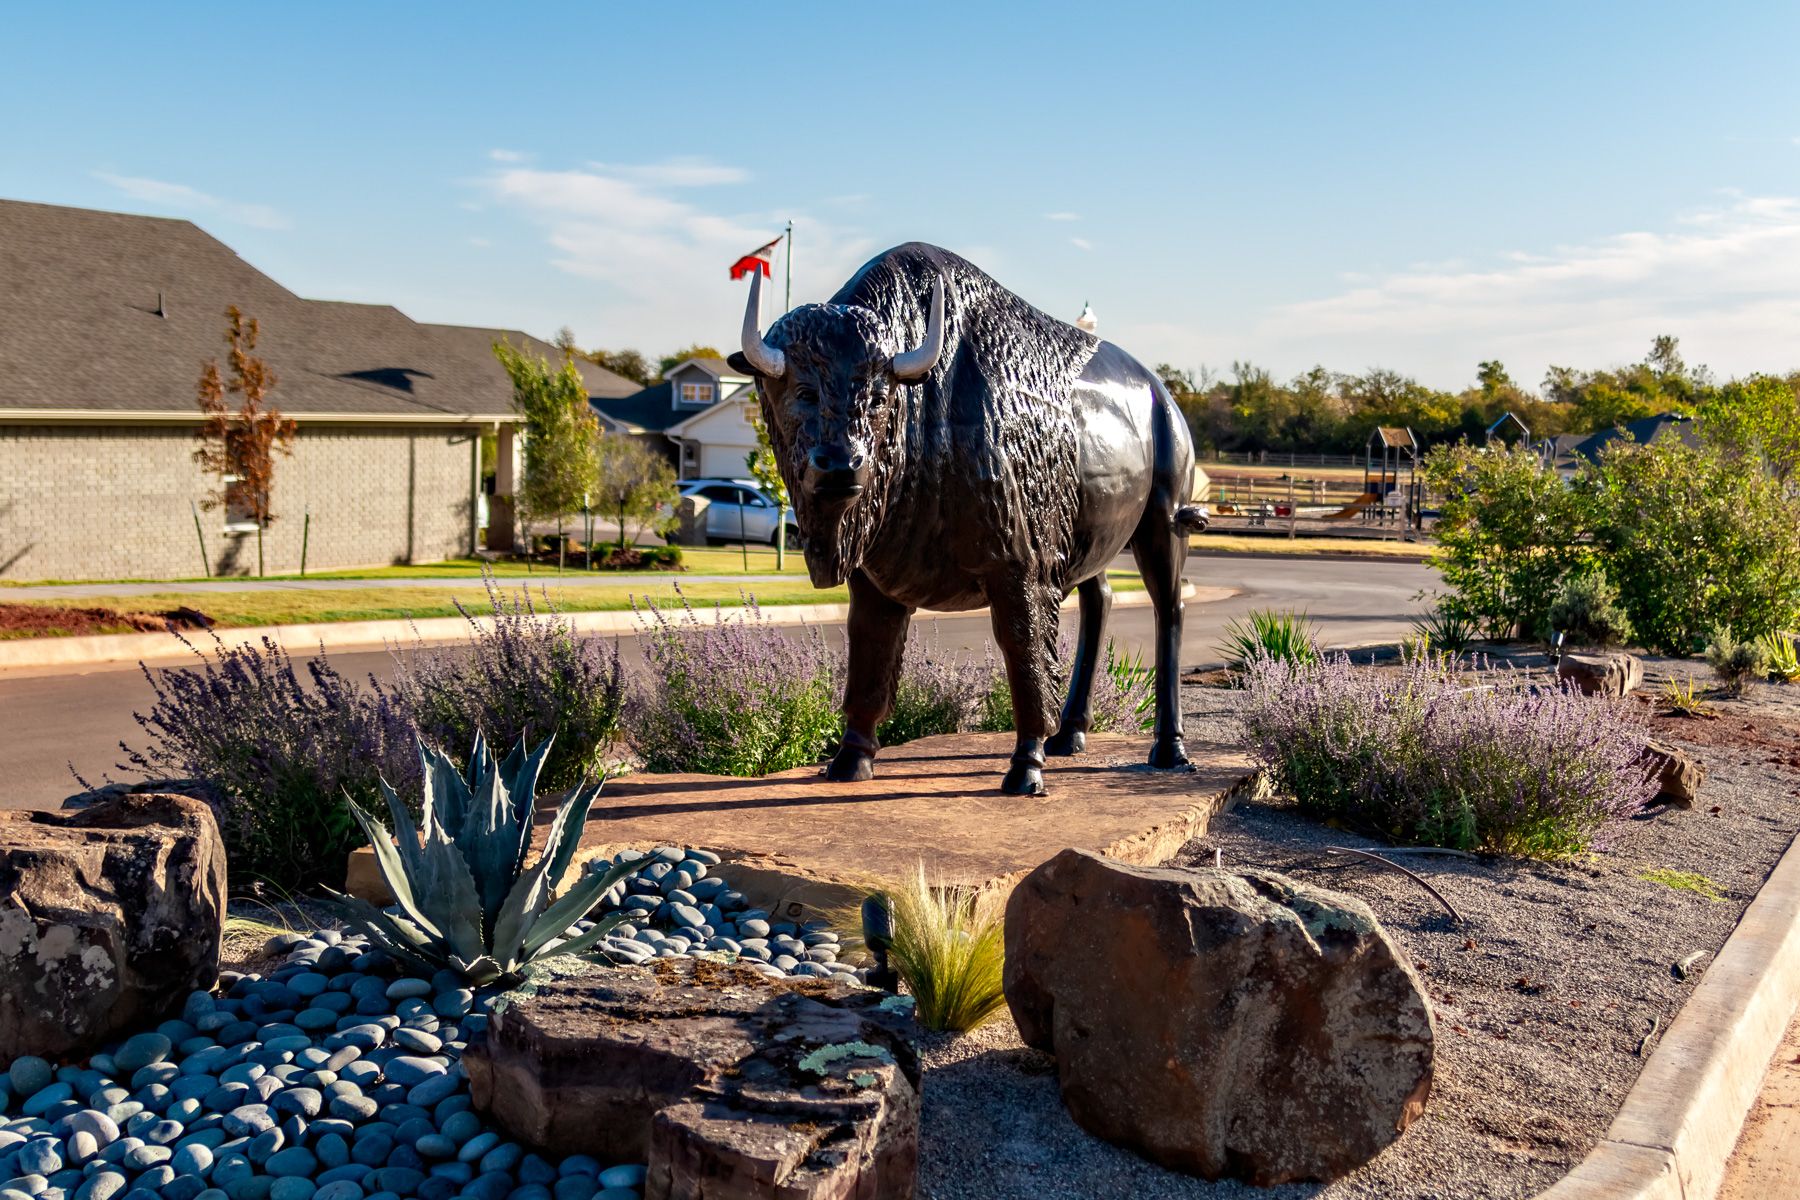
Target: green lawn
250,608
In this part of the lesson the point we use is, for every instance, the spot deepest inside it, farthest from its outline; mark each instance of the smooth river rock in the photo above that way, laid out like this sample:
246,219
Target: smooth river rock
1220,1023
110,916
729,1085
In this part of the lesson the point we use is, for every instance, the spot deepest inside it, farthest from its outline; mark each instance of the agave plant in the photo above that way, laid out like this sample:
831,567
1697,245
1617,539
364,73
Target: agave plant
466,899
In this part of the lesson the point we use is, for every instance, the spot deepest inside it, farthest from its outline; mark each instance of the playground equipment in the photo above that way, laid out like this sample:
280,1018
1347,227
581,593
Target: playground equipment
1388,451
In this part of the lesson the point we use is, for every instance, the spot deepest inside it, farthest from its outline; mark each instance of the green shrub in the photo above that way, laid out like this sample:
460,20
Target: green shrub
1587,609
1287,637
1736,663
1694,538
1509,530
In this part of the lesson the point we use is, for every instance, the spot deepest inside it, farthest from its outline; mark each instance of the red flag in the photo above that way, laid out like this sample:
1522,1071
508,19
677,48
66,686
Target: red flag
756,260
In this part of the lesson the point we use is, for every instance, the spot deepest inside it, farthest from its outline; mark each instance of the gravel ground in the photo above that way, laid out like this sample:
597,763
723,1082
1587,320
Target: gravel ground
1542,1000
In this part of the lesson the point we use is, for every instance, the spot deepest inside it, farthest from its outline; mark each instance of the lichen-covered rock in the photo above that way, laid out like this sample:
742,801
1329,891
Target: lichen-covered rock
1219,1022
728,1084
109,916
1601,674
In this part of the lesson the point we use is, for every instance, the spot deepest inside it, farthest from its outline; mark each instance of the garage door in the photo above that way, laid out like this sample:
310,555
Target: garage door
724,462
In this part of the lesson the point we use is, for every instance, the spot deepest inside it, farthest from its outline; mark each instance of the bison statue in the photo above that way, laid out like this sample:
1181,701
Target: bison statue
948,446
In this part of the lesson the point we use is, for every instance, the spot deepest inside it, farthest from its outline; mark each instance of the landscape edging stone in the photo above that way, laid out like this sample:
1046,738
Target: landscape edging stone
1680,1122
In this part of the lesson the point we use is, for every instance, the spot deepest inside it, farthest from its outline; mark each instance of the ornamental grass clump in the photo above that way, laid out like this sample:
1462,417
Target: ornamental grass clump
948,947
522,672
466,900
731,696
278,750
1415,754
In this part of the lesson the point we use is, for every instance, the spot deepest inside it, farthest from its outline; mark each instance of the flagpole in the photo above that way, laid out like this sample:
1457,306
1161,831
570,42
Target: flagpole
788,303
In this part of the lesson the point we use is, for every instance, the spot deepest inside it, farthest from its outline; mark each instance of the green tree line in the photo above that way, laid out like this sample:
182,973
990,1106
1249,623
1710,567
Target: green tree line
1321,410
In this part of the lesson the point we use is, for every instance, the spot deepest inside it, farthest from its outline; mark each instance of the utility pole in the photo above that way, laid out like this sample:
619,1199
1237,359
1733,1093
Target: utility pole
788,302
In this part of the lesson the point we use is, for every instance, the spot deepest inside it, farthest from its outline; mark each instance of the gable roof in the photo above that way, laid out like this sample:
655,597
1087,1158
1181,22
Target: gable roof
1644,430
688,423
81,333
718,368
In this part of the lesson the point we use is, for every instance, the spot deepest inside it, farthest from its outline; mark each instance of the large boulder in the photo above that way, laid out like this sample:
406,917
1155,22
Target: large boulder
109,916
728,1084
1601,674
1219,1022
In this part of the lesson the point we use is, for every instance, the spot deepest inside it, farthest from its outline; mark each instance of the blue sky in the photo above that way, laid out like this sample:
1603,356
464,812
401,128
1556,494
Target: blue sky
1418,186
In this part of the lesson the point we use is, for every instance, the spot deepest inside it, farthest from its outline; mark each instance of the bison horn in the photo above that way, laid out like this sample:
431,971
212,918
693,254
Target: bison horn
766,359
916,364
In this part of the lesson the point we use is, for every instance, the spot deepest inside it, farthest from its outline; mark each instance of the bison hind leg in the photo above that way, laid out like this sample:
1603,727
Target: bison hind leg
1077,715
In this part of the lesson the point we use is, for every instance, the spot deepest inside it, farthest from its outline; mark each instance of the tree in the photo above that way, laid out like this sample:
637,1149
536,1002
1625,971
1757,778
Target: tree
565,341
559,431
686,352
628,363
1757,419
767,473
239,447
632,482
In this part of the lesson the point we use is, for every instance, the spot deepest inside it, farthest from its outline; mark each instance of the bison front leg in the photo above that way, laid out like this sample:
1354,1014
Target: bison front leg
877,633
1025,618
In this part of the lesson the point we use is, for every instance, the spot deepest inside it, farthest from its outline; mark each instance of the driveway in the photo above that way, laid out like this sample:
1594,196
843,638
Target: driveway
53,723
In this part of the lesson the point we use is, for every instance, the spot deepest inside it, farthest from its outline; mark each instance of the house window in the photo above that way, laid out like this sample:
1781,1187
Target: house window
240,514
696,393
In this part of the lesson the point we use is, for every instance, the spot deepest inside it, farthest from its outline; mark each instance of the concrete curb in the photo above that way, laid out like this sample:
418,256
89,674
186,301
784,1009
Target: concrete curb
1201,551
110,648
1681,1120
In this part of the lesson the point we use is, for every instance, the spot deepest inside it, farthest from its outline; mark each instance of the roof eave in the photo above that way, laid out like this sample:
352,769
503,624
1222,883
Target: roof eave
89,416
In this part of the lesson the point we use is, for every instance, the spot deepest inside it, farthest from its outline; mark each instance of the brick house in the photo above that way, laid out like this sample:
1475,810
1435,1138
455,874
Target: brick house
105,321
698,416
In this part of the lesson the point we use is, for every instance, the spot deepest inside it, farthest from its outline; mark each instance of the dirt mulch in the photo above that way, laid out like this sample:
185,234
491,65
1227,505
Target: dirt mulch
1543,1000
54,620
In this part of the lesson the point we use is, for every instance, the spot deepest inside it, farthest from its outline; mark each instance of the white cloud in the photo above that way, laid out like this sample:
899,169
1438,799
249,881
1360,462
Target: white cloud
1081,243
660,259
508,156
683,171
1062,216
1725,280
480,243
181,197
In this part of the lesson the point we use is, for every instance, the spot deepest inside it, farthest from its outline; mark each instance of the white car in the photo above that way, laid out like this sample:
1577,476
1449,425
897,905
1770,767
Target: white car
738,510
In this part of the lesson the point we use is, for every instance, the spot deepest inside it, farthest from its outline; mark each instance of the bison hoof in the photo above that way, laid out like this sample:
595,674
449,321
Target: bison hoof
1023,780
1169,754
1065,742
851,766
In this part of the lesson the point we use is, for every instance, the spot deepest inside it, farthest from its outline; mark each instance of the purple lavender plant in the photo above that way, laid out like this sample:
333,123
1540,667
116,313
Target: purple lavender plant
527,675
1414,754
731,696
277,752
939,691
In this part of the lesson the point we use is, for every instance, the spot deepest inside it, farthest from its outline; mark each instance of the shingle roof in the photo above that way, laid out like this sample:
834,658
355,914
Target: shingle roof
1643,430
717,366
651,410
80,329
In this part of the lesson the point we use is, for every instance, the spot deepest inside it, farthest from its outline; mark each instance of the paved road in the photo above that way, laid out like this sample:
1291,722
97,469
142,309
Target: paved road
49,722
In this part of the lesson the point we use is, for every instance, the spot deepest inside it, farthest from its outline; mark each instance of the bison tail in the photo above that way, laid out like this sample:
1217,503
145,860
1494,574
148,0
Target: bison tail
1191,518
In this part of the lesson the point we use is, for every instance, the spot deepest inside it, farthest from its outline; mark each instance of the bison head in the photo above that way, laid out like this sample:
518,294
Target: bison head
829,376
